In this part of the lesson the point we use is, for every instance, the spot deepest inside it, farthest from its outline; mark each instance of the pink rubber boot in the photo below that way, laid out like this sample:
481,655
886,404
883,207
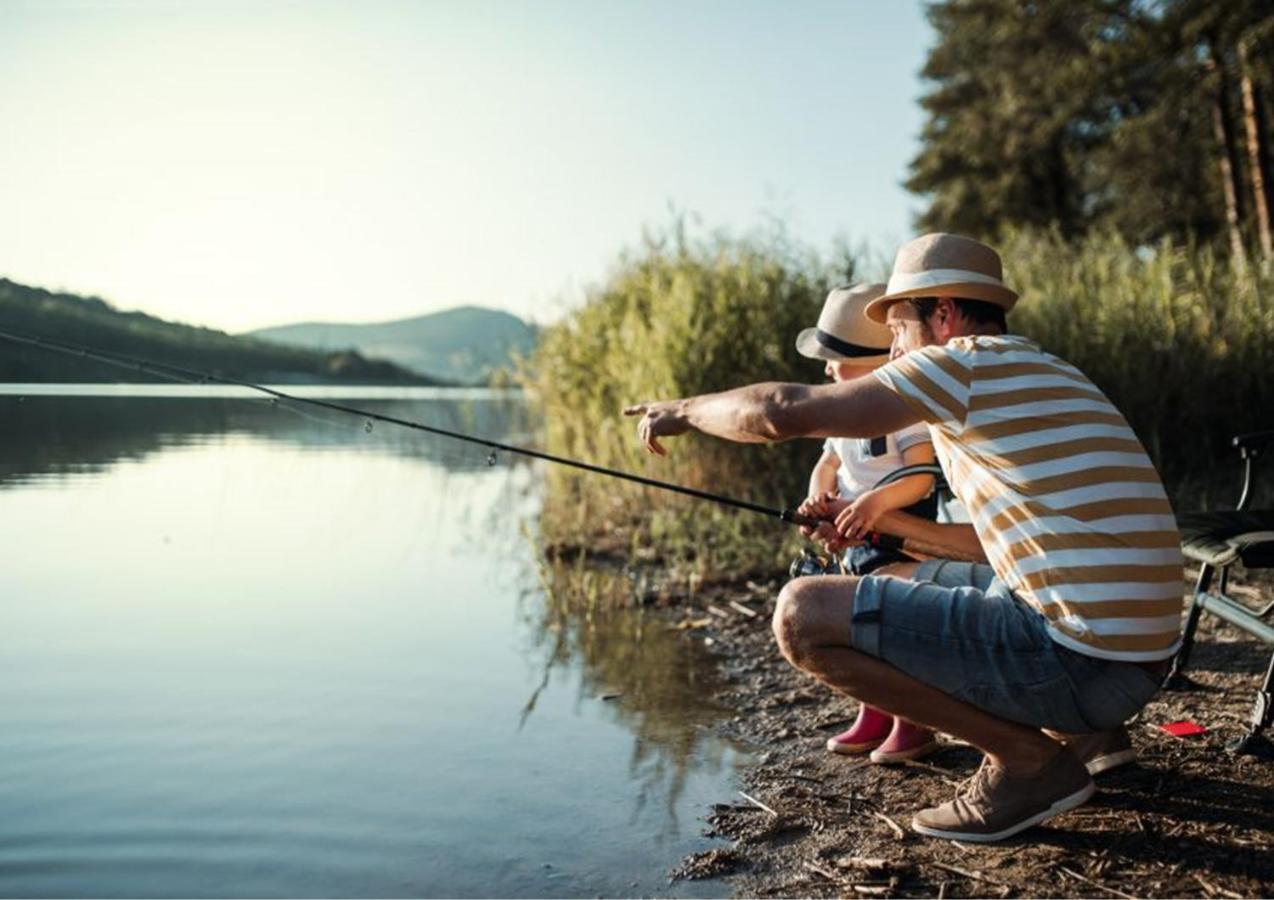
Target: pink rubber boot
868,731
906,741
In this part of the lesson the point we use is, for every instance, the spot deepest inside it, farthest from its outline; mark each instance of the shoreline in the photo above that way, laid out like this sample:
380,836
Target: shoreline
1188,819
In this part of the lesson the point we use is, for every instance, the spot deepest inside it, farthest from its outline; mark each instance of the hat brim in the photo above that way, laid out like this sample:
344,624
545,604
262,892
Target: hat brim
997,294
808,346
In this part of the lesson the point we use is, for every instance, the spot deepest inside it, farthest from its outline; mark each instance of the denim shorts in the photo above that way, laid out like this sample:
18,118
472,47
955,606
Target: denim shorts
960,629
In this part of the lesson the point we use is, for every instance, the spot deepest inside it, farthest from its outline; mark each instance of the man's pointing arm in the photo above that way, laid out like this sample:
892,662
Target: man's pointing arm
761,413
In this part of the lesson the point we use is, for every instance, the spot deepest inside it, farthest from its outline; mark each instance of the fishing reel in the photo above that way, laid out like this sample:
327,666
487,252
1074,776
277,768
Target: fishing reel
809,563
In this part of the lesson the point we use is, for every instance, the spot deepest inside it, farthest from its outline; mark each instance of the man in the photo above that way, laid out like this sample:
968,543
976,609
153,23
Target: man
1073,631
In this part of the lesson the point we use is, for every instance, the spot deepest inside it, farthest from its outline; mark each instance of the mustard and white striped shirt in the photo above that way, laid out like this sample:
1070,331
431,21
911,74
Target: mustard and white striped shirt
1068,507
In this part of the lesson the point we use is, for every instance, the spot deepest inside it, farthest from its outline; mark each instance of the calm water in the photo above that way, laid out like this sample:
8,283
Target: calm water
245,651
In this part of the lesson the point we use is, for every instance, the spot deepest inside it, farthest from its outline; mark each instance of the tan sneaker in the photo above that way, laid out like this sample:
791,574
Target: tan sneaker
996,805
1102,750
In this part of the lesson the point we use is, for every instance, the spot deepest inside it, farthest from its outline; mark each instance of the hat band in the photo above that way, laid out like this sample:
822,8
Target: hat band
910,281
845,348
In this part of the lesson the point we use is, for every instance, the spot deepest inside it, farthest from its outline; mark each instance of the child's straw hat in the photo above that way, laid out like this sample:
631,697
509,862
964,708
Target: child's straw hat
844,333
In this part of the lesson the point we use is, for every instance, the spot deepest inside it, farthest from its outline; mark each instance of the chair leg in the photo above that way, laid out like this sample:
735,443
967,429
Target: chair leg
1255,742
1176,679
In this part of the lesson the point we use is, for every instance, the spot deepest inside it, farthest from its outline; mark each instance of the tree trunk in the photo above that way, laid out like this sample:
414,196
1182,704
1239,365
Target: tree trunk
1223,130
1257,152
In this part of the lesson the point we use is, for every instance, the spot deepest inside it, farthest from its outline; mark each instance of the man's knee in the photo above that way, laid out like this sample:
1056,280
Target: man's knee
785,621
812,612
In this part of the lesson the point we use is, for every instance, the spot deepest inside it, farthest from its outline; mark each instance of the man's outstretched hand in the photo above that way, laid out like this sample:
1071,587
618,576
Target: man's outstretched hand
658,420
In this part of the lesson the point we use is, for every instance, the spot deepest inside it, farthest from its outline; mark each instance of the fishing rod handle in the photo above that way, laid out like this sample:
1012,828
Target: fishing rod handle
791,515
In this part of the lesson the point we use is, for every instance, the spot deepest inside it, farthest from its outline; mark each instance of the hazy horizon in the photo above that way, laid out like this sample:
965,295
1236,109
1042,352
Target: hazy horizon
242,166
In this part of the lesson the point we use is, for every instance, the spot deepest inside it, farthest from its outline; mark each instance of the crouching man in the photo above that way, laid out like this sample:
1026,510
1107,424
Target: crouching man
1072,632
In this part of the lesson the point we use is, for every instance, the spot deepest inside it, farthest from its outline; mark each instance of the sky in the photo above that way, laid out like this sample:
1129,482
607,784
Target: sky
245,164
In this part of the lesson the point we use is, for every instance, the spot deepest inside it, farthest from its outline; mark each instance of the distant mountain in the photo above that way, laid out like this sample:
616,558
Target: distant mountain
464,344
92,322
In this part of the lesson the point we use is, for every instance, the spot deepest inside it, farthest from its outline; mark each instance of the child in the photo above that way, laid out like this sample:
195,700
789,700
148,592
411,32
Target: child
842,486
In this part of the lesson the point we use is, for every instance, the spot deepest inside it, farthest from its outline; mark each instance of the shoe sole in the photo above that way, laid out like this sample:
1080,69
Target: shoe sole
1056,809
884,758
853,749
1108,761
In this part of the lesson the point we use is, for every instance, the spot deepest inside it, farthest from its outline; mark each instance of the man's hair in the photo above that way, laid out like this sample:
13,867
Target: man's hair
979,312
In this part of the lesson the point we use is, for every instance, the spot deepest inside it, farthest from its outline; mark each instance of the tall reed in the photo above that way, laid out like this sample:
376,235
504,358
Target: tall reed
679,317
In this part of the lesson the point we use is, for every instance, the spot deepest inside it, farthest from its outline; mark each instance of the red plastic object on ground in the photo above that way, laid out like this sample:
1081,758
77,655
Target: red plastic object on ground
1184,728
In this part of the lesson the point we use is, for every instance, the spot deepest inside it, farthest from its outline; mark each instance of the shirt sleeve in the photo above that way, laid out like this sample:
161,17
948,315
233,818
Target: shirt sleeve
912,436
934,381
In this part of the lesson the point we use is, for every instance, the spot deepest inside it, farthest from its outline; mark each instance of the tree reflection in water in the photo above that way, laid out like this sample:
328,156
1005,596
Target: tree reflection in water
658,682
59,435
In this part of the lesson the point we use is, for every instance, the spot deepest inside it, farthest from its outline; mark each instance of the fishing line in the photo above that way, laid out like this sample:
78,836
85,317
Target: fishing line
344,423
194,376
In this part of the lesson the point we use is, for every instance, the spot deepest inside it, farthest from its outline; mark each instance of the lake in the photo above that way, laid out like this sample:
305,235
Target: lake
253,649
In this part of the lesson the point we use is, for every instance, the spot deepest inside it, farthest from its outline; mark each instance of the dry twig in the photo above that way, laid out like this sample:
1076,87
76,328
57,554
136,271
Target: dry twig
1216,889
758,803
1097,884
944,774
897,829
750,613
826,873
956,870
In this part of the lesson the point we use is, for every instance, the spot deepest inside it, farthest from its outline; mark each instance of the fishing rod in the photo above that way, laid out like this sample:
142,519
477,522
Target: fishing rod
194,376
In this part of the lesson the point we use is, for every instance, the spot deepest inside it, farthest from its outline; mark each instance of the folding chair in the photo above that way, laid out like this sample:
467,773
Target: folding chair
1216,541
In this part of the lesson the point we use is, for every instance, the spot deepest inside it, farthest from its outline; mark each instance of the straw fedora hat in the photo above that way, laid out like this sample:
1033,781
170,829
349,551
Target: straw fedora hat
844,333
944,265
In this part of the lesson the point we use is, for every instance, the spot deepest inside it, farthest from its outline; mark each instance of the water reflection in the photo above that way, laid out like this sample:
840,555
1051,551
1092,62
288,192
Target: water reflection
53,435
308,639
659,683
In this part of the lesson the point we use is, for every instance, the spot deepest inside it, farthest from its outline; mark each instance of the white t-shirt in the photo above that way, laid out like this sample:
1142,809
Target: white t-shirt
860,467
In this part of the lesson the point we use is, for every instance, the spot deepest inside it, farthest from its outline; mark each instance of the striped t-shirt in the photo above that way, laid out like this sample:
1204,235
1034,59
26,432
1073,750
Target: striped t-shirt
1067,505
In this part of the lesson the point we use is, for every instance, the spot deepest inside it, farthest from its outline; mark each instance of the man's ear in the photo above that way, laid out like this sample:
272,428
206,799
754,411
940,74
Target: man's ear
944,316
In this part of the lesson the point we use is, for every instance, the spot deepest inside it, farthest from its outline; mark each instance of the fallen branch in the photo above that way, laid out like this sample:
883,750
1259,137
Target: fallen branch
750,613
897,829
758,803
956,870
1096,884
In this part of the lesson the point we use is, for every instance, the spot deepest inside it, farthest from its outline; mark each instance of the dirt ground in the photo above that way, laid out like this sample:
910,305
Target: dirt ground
1189,820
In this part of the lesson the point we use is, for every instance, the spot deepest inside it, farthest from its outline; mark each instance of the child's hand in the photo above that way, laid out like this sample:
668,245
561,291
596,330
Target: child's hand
822,506
860,517
825,506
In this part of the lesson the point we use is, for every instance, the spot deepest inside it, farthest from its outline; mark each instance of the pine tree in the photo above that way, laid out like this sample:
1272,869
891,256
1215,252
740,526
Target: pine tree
1015,111
1146,117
